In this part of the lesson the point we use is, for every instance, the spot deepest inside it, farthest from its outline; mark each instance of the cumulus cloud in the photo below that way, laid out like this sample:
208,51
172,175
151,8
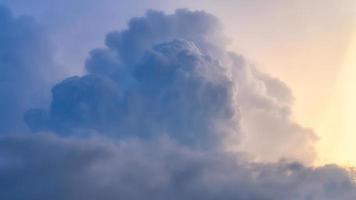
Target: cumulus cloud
263,102
154,118
266,125
25,62
175,89
90,101
171,68
156,27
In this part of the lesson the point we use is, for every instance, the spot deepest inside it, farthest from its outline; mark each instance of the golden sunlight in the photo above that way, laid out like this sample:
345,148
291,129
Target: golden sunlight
337,129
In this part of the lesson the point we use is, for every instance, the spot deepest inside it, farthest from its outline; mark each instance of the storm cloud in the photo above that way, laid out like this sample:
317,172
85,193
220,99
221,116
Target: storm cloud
166,112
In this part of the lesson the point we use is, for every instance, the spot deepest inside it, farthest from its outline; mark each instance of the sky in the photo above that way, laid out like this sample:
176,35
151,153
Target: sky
253,99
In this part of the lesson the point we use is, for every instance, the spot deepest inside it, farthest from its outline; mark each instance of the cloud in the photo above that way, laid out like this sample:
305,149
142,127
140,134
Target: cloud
177,78
267,127
25,61
175,89
154,118
90,101
264,103
98,168
157,27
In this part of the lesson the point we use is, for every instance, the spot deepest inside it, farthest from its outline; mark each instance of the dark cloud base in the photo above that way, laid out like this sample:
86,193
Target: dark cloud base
49,167
152,119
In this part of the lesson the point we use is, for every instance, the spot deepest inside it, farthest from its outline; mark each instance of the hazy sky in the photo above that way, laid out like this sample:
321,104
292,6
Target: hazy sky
305,43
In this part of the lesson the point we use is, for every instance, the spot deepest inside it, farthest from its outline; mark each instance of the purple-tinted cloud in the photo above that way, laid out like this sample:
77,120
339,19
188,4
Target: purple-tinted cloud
152,119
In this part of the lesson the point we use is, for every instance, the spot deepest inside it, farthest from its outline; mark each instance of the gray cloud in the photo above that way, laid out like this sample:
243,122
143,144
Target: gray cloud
175,89
97,168
134,126
195,78
156,27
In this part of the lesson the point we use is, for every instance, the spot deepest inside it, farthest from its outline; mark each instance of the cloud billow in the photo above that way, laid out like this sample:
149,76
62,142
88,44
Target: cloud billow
175,90
155,117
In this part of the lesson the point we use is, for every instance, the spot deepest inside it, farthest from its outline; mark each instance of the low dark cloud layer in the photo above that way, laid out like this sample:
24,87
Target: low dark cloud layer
98,168
155,117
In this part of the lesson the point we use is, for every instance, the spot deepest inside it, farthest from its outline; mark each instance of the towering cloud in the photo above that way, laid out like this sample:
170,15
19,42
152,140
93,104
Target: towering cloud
155,117
175,77
25,63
